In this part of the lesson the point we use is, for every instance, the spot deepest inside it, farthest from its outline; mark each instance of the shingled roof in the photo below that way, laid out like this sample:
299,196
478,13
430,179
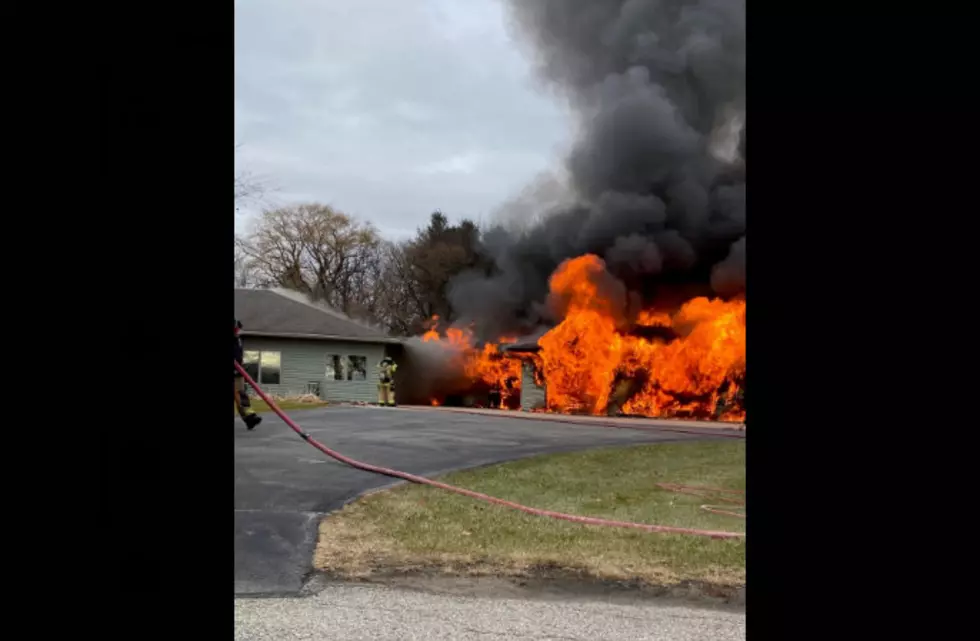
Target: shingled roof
285,314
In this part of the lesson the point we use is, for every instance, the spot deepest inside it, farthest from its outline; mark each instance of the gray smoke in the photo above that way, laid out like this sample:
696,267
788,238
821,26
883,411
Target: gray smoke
444,374
728,276
657,175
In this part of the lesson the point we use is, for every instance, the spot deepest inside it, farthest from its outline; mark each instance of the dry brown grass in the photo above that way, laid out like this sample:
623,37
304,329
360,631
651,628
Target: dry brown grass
287,402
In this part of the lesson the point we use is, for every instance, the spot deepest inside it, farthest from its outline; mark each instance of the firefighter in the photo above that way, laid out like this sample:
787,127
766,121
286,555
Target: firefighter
386,382
493,396
242,404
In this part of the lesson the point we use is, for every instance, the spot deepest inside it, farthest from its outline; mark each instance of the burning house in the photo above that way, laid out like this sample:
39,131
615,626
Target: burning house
604,358
634,278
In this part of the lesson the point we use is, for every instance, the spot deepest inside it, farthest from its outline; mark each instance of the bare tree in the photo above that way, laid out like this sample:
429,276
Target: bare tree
249,189
317,250
399,304
332,257
244,276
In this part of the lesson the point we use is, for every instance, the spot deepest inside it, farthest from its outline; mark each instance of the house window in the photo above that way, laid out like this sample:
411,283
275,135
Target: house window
250,360
335,371
357,368
313,387
264,367
269,368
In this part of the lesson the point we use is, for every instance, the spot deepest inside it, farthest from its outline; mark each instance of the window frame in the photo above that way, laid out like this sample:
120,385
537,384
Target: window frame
338,371
258,364
350,369
278,354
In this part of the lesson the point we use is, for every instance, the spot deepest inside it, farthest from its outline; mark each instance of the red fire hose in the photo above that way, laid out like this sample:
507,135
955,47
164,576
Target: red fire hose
587,520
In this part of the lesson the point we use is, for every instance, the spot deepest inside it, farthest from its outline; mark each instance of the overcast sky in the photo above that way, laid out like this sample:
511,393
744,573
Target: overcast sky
389,109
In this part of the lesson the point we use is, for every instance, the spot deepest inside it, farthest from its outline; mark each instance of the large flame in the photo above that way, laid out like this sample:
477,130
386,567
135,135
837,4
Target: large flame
599,359
487,364
590,351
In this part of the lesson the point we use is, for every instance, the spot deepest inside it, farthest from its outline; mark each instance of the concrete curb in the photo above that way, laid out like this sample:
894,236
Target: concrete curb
729,430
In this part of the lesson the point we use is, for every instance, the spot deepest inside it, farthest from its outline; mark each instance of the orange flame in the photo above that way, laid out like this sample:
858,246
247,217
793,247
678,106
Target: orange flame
488,365
584,356
592,362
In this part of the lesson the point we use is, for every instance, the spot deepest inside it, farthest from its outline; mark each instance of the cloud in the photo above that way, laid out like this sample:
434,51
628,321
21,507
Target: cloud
371,105
466,163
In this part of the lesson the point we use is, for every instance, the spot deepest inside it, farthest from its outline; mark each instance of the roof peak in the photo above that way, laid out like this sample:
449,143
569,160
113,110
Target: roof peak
321,307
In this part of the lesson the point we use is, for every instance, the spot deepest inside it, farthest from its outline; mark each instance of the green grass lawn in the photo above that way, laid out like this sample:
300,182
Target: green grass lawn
414,527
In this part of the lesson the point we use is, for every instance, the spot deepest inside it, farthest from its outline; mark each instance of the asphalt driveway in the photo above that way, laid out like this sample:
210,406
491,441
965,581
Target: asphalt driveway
283,486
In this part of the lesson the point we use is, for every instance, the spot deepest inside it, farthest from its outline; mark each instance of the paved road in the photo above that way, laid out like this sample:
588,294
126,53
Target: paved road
378,613
283,486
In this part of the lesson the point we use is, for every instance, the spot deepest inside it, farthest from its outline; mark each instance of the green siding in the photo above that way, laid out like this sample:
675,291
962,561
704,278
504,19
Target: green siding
533,396
304,362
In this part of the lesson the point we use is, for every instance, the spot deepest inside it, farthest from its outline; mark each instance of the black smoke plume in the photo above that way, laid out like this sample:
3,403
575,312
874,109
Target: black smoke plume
657,173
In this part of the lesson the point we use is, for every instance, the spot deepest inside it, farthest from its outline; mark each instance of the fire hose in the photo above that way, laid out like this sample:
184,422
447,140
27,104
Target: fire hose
585,520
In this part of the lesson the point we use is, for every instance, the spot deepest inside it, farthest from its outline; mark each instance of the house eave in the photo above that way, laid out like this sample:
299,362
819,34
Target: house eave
387,340
521,348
